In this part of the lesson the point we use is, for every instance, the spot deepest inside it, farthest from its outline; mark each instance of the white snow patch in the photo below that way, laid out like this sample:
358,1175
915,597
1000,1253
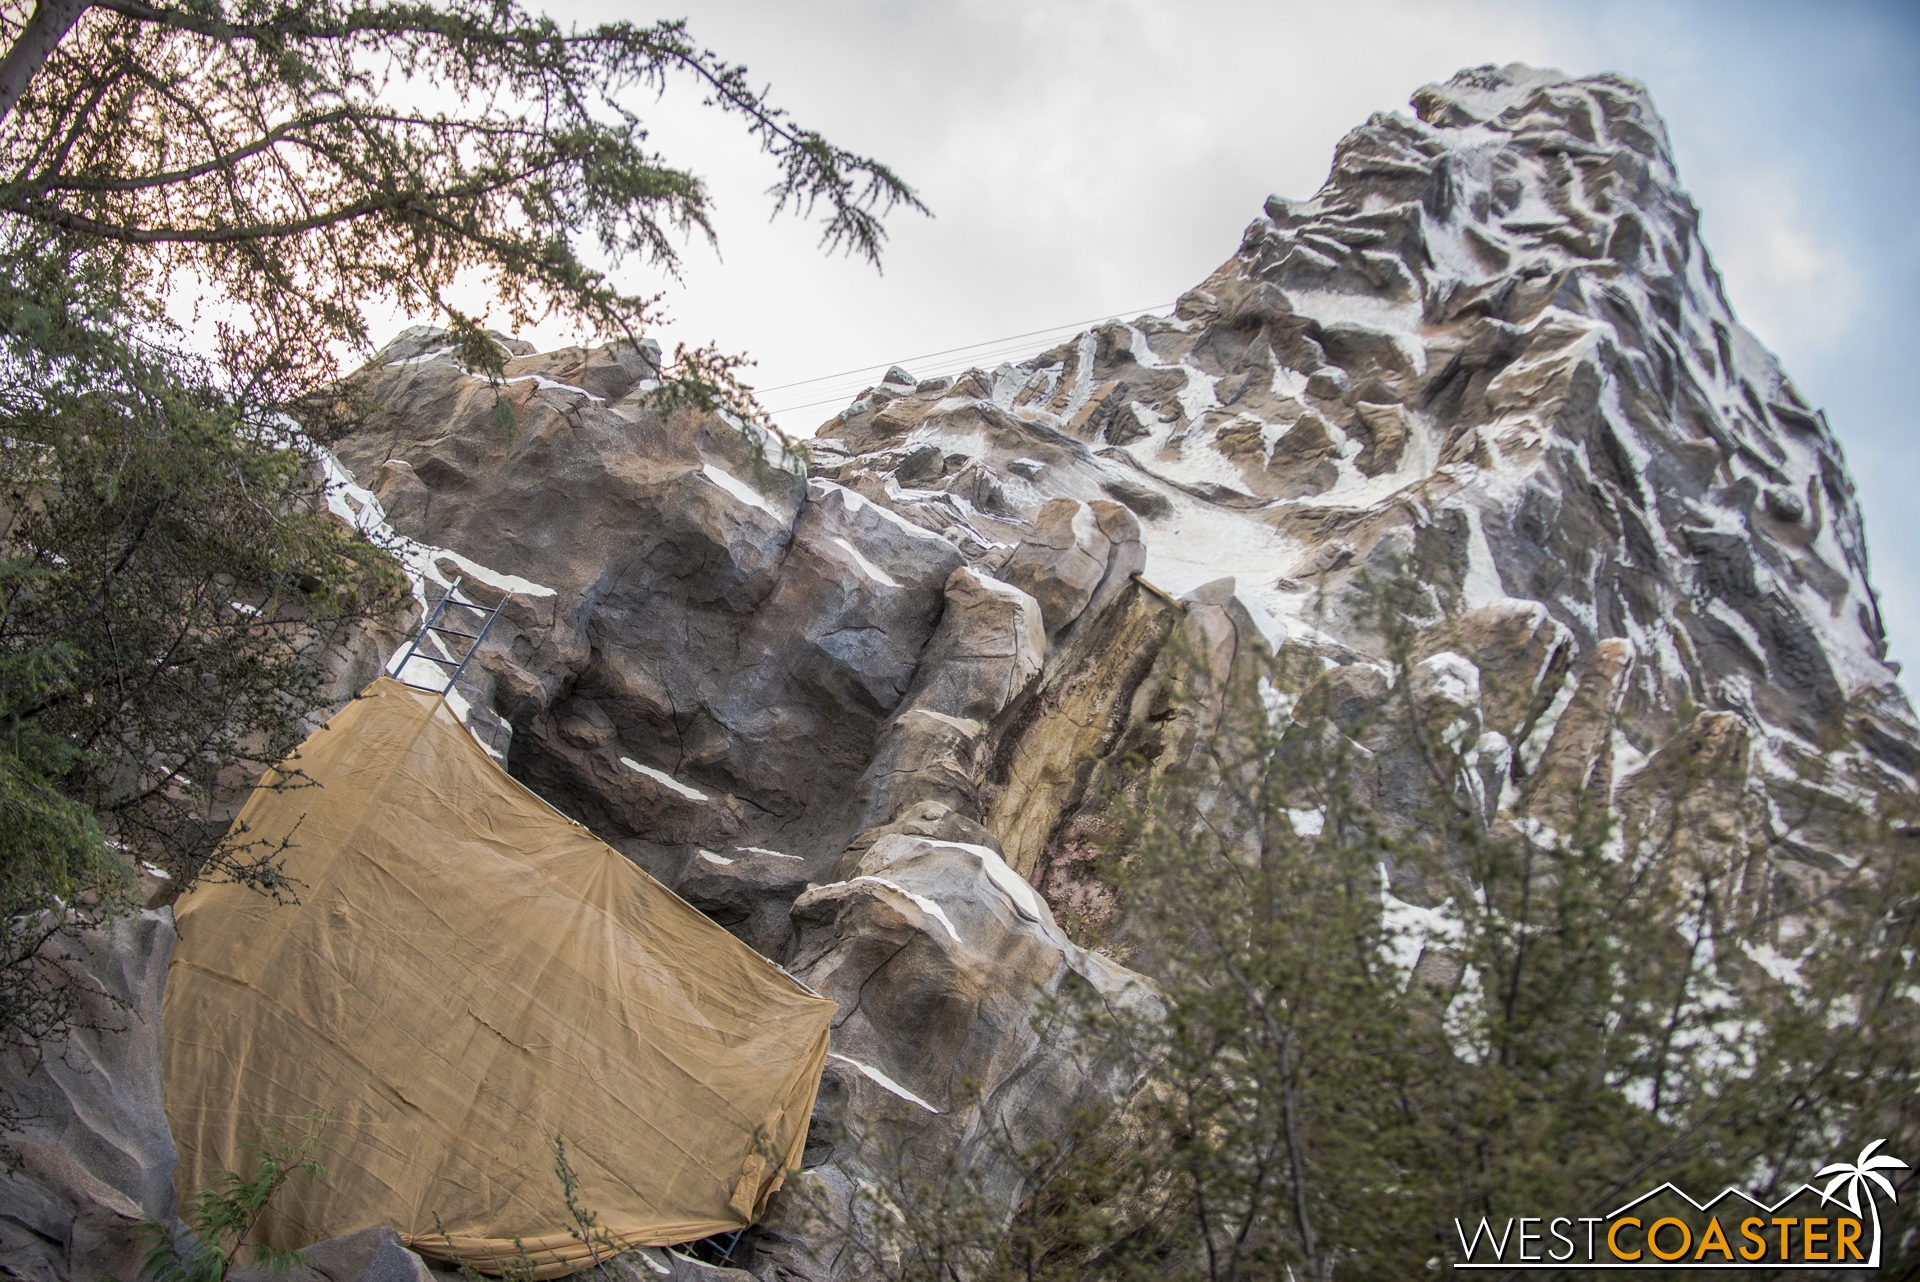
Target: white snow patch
1207,542
1751,639
1491,753
964,725
356,505
423,358
365,512
1409,928
883,1081
867,567
1450,677
1083,385
1627,759
510,583
463,711
1307,823
1000,587
1290,383
1198,396
1272,631
712,858
429,674
762,850
1278,703
1537,831
1483,583
925,905
1769,959
1025,899
819,490
661,776
541,383
1462,1020
1399,321
738,488
1534,747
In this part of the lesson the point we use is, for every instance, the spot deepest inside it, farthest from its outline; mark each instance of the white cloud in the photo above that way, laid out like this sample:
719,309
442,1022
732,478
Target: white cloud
1078,157
1088,155
1789,280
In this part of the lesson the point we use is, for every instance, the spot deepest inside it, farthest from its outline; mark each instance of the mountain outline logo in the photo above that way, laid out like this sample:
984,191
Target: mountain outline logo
1674,1241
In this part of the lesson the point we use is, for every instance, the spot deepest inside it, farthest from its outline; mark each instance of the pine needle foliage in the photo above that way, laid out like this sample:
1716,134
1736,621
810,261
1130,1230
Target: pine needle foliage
1394,1000
222,1215
300,159
169,582
1396,994
170,577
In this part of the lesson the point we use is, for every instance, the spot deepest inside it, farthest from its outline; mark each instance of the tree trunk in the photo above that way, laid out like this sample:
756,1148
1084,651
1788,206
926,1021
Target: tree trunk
48,26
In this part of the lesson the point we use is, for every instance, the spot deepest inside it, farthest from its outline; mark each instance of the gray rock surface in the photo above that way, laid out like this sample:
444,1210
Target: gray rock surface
96,1158
654,1264
779,694
749,892
940,958
371,1255
865,717
1492,352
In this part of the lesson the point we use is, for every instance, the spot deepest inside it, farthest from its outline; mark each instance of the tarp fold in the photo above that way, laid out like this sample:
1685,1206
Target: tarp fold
468,976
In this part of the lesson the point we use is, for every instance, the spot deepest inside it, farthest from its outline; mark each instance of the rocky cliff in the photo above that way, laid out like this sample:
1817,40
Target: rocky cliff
855,699
1492,351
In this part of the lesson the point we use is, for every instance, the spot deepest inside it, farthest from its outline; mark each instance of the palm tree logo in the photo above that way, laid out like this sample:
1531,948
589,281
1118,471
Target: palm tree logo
1854,1175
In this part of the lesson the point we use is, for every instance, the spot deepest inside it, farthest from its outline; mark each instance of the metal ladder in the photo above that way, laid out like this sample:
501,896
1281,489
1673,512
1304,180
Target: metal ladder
432,625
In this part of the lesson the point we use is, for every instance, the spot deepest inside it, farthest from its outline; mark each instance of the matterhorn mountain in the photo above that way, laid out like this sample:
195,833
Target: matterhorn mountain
857,698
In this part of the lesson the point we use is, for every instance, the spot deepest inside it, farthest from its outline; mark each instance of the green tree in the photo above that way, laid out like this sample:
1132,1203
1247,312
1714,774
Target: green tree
224,1214
170,580
305,159
1395,996
1385,1014
170,576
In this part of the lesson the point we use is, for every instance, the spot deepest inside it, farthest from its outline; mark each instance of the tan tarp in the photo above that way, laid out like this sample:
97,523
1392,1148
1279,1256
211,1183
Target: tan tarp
468,975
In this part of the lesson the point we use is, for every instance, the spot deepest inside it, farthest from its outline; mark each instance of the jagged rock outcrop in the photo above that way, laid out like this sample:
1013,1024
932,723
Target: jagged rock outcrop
861,703
855,713
934,950
370,1255
779,695
95,1158
1492,351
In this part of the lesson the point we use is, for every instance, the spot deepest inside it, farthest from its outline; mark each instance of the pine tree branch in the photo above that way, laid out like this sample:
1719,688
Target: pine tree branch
48,26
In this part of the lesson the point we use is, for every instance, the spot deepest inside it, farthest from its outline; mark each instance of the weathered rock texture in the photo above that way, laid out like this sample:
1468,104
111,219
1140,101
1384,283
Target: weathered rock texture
1491,351
371,1255
779,694
96,1158
859,704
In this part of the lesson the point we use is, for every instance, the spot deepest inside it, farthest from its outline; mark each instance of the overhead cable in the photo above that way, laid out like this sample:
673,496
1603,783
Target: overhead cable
976,353
967,347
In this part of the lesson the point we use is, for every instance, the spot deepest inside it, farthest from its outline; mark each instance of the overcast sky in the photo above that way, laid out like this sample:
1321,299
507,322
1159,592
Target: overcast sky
1085,159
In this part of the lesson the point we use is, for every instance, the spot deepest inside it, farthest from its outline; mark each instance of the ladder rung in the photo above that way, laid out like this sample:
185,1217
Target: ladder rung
430,625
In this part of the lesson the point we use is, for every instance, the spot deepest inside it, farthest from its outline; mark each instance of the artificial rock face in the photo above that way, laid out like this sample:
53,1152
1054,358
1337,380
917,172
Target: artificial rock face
1492,353
93,1159
861,705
